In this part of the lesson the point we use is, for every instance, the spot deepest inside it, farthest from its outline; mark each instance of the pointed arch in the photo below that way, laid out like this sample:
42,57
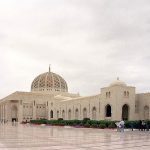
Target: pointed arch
57,114
51,114
125,93
84,113
76,114
69,114
108,110
125,112
146,112
63,115
94,113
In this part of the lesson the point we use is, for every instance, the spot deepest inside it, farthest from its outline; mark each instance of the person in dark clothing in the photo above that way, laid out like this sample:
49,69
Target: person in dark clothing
147,126
143,125
140,125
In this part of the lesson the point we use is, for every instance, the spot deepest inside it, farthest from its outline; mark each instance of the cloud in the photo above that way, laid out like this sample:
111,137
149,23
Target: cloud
88,42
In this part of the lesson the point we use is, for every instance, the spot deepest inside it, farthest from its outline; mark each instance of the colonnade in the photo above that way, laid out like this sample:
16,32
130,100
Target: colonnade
3,113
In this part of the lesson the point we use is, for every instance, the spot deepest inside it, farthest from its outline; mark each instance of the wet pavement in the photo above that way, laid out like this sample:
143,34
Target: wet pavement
35,137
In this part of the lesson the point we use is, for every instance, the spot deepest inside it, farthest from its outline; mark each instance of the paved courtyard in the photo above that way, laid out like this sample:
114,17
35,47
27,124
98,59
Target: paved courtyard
27,137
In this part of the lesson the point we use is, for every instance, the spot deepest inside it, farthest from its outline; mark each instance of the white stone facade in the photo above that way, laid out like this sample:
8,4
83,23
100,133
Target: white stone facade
49,99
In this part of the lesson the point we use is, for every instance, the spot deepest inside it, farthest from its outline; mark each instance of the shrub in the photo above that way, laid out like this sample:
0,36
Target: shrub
87,125
102,126
85,120
60,119
77,122
112,125
94,125
41,121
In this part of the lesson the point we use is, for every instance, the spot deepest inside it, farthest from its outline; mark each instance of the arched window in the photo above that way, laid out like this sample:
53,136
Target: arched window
63,115
94,113
69,114
125,112
109,94
125,94
57,114
146,112
77,114
84,113
51,114
108,110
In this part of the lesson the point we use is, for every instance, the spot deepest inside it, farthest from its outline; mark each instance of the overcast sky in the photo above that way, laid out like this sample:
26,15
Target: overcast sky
88,42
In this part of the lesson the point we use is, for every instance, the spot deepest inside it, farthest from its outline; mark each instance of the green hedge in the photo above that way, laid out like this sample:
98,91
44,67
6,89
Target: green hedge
88,123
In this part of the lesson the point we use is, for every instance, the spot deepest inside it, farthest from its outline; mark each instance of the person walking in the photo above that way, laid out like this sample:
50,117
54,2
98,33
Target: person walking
122,125
118,126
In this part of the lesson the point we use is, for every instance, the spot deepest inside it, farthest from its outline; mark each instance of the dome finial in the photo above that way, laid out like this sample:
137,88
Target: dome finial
49,68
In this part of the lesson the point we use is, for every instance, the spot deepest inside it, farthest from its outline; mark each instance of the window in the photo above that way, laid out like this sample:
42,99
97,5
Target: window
69,114
84,113
94,113
108,94
77,114
63,115
108,111
146,112
126,94
51,114
125,112
57,114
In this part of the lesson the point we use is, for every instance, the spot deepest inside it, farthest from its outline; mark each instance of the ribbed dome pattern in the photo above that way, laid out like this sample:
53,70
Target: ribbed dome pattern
49,81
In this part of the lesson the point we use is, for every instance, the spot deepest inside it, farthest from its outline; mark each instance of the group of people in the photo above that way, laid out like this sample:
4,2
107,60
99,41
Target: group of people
143,125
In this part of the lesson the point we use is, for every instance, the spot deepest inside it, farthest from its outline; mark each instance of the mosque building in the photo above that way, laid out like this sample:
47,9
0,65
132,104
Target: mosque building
49,98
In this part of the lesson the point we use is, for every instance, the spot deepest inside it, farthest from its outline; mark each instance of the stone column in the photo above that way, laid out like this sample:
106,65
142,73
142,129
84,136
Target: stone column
0,113
48,111
3,111
6,112
20,112
34,110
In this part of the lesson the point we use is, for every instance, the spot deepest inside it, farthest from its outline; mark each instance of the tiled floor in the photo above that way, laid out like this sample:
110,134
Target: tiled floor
27,137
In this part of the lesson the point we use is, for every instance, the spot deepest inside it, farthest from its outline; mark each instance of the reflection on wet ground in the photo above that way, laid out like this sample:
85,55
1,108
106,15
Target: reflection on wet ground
27,137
